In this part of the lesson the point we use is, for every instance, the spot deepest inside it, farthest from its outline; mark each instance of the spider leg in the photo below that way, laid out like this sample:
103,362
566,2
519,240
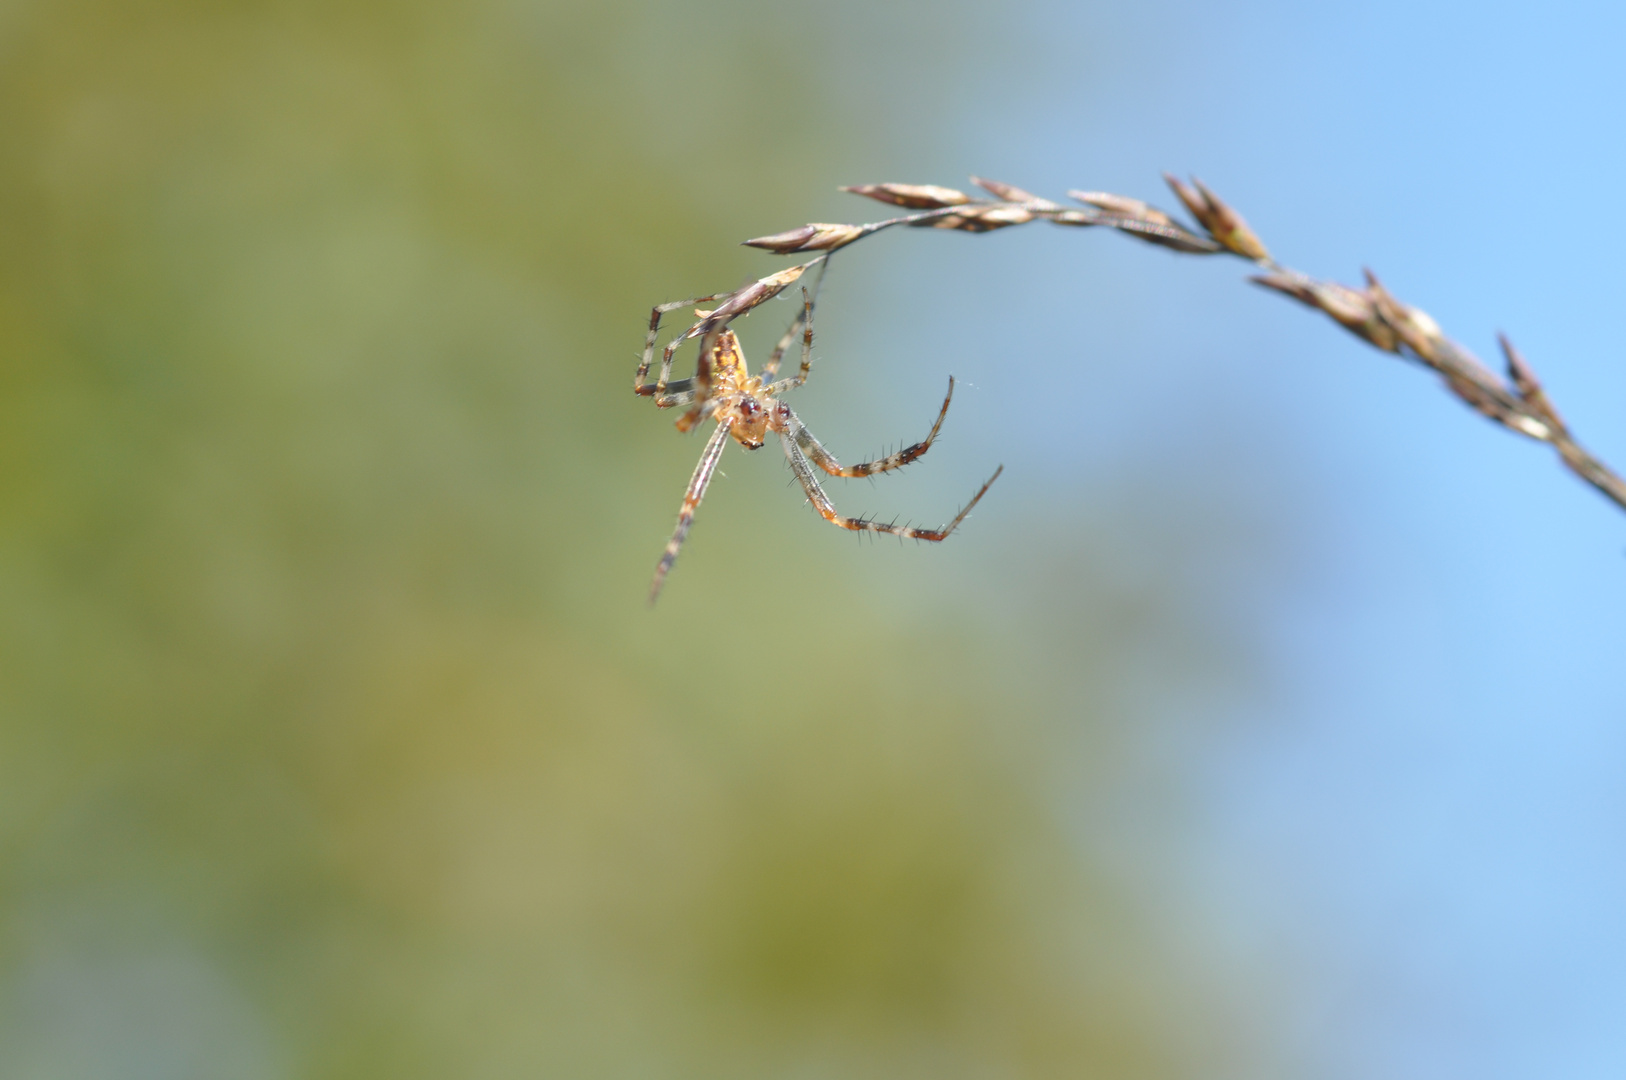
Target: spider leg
821,502
771,368
701,403
827,461
802,324
678,392
691,499
642,388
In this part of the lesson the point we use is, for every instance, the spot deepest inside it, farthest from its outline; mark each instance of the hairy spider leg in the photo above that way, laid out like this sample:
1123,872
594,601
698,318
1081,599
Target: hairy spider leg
642,388
827,461
691,500
703,404
678,392
821,502
803,323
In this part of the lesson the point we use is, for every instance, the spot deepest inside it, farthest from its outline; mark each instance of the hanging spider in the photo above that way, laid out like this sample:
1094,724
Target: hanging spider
747,407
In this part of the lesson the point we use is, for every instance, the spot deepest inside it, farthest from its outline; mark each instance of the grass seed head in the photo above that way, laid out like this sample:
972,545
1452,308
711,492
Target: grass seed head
757,292
911,196
817,236
1351,309
1122,205
1517,402
1416,329
984,218
1529,387
1224,224
1012,193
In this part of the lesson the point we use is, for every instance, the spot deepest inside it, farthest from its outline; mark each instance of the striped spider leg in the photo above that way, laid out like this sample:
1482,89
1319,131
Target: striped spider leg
746,407
800,445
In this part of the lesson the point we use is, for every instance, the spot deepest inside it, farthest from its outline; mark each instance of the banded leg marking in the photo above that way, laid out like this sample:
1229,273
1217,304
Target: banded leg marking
691,500
771,368
804,324
642,388
821,502
827,461
678,392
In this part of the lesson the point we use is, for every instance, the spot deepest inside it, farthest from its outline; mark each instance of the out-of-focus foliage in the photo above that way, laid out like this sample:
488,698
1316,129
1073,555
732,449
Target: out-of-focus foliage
336,740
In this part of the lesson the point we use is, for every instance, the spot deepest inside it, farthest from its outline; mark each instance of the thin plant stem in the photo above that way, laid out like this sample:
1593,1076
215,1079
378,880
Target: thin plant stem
1515,400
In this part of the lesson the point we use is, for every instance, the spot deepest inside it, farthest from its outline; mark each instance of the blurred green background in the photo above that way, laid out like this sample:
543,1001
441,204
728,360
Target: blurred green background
336,738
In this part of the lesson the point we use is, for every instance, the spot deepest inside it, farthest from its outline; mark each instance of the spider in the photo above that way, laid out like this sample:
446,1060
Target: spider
747,407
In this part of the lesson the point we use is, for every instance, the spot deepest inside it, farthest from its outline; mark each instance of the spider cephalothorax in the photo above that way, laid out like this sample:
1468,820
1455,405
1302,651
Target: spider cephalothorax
747,407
